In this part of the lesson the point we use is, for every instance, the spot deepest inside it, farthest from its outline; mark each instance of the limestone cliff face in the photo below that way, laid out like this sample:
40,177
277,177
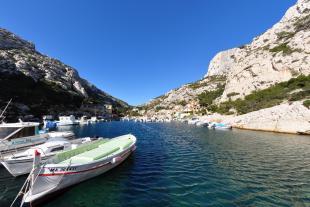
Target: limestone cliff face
279,54
55,86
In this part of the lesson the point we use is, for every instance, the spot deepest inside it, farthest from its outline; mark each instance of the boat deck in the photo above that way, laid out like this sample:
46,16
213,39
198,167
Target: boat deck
96,151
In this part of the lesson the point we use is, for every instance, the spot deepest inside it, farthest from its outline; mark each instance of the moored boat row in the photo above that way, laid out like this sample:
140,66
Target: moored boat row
73,166
21,163
196,121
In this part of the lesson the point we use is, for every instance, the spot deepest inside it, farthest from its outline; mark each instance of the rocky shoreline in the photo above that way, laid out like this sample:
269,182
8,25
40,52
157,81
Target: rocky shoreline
292,118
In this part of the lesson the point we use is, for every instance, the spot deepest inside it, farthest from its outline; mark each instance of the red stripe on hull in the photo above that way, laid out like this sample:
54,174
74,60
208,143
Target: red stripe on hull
76,172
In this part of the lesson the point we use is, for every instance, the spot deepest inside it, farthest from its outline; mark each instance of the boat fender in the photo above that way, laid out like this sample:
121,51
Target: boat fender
116,159
35,166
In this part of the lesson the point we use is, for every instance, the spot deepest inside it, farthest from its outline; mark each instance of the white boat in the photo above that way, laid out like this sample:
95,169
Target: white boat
21,163
215,125
66,120
202,124
84,120
193,121
22,135
74,166
93,119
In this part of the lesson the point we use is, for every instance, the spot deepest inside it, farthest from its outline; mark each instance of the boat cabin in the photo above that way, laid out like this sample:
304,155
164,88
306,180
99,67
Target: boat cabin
44,149
10,131
70,118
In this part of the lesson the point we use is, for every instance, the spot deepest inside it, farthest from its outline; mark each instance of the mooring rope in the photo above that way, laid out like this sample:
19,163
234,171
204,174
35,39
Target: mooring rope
20,192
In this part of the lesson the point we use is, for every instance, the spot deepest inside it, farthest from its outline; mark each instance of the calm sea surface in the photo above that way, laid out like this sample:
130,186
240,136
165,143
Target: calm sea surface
180,165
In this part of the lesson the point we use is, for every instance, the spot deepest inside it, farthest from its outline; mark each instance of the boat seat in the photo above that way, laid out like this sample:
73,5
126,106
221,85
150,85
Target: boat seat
62,156
101,150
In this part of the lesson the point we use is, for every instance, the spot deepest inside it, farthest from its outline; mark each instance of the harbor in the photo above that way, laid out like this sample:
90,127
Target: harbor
164,103
179,164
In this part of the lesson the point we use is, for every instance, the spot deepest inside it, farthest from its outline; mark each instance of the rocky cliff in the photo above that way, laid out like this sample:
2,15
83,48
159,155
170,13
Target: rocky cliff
271,70
40,85
277,55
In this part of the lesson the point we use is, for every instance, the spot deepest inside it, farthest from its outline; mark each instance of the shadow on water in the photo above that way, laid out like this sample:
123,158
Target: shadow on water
181,165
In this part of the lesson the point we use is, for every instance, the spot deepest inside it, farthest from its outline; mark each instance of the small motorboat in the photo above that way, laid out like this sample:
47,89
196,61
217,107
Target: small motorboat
74,166
202,124
84,120
21,163
215,125
67,120
193,121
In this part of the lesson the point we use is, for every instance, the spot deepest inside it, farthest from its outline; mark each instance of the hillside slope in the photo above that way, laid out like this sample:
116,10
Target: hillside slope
41,85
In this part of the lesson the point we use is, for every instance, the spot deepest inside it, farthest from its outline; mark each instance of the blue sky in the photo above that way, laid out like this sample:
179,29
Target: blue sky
139,49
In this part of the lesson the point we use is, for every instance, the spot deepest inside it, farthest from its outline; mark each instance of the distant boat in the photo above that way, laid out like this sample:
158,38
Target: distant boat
193,121
202,124
93,119
215,125
74,166
66,120
84,120
21,163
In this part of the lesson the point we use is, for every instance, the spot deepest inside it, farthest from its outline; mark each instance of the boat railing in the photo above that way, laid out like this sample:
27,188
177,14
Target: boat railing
2,117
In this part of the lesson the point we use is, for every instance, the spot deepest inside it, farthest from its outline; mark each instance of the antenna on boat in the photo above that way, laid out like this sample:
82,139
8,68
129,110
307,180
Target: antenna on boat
1,115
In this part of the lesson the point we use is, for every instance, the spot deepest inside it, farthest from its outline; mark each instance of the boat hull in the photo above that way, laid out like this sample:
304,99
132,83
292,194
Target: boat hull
21,167
7,148
55,177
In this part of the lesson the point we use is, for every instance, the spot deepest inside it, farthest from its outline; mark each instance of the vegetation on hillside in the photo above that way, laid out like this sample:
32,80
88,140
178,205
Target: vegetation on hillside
284,48
206,98
285,35
210,79
293,90
302,23
306,103
41,97
37,98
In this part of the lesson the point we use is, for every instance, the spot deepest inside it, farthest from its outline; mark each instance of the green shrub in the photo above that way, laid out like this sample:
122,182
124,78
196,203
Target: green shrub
232,94
269,97
196,85
306,103
217,78
182,103
134,113
206,98
158,108
285,35
282,47
299,95
302,24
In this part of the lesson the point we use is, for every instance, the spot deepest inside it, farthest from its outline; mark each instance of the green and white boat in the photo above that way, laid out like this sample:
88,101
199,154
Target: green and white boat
77,165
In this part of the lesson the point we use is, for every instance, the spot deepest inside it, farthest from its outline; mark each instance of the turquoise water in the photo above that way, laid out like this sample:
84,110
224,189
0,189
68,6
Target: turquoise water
180,165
